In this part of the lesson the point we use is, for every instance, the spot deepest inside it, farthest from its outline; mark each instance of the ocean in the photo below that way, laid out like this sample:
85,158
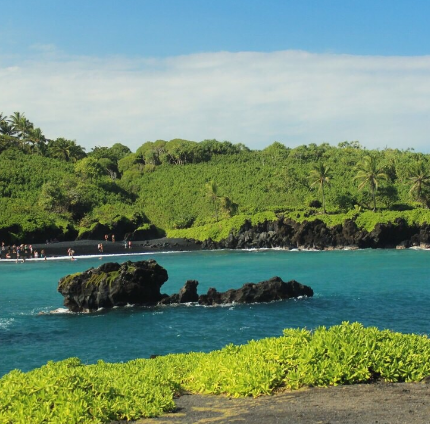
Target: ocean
389,289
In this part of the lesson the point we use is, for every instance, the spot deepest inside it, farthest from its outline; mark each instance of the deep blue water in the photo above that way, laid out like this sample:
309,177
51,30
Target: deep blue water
383,288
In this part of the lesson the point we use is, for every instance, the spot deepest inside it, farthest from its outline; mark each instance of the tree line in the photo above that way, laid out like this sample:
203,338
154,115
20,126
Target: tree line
56,185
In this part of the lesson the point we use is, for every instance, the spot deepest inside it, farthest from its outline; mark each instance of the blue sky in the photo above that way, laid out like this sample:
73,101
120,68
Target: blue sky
249,71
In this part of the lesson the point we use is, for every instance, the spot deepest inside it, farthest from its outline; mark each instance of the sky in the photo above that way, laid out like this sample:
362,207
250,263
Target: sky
247,71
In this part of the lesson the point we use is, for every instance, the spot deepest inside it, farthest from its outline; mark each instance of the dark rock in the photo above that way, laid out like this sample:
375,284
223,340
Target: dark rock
404,244
287,233
187,294
113,285
145,234
265,291
96,233
139,283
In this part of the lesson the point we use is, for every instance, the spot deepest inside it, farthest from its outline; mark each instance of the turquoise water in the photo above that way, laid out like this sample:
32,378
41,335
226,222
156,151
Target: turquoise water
383,288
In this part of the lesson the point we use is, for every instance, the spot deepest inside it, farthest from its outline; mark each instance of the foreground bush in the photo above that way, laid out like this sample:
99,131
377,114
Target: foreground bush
71,392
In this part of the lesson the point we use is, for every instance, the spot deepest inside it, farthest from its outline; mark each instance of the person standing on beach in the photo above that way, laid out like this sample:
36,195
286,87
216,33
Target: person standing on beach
113,238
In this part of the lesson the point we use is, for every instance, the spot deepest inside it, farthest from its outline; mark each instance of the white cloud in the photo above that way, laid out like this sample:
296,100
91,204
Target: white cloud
254,98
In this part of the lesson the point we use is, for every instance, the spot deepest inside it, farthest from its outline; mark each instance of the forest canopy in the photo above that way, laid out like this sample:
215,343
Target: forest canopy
54,188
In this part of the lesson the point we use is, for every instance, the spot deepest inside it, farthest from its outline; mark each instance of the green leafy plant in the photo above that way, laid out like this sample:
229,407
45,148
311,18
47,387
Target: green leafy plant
71,392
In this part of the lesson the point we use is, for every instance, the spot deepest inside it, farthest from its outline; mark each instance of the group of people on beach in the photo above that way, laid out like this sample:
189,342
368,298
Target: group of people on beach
20,252
127,243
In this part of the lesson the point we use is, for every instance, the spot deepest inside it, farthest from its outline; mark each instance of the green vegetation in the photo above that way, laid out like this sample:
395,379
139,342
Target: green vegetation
220,230
320,176
71,392
97,279
53,188
369,174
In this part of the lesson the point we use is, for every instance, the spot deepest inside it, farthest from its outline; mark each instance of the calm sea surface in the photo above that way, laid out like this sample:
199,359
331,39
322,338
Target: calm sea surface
383,288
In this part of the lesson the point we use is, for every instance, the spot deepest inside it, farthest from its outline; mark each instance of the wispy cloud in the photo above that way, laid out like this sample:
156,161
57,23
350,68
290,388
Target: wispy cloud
254,98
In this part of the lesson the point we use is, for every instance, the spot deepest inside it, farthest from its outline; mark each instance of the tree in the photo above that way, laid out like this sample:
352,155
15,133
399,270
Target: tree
320,176
369,174
6,128
89,167
38,140
212,195
180,152
219,203
64,149
274,153
21,124
419,176
119,151
52,198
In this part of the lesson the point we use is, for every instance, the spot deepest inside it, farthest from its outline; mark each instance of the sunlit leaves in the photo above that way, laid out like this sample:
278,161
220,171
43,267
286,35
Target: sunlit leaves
71,392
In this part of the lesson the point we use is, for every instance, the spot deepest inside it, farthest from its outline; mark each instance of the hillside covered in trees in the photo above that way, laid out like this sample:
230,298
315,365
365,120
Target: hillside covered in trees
55,189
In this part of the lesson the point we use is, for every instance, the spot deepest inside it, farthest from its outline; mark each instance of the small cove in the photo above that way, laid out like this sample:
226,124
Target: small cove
384,288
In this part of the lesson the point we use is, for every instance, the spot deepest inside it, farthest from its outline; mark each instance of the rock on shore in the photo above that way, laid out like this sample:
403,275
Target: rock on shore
289,234
139,283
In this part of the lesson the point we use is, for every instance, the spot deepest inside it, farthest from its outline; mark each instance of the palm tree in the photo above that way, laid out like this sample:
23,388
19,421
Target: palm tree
21,124
212,195
64,149
420,179
368,174
38,140
320,176
6,128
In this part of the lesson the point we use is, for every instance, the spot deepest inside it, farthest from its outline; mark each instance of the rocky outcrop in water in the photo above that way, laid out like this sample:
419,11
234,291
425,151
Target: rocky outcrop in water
264,291
139,283
187,294
289,234
113,284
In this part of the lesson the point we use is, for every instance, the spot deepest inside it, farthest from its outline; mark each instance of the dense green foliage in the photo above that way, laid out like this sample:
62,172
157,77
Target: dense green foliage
53,187
71,392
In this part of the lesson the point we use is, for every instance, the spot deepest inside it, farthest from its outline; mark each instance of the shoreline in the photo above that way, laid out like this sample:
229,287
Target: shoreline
88,249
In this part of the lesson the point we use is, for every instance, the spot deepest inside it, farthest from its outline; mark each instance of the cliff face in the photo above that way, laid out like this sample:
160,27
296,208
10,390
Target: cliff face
286,233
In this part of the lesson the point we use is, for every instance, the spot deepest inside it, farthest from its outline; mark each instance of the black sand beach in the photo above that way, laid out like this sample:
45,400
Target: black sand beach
90,247
380,403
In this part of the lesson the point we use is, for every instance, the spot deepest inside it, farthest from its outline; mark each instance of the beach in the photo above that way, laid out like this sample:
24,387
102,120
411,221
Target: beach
380,403
60,250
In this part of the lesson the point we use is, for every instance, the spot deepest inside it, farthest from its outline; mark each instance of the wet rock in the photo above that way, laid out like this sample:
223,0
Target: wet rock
264,291
112,285
187,294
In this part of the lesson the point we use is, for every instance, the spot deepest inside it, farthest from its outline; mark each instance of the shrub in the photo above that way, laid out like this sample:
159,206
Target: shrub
70,392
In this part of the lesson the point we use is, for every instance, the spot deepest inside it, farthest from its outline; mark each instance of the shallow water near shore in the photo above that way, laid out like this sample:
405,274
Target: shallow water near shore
383,288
